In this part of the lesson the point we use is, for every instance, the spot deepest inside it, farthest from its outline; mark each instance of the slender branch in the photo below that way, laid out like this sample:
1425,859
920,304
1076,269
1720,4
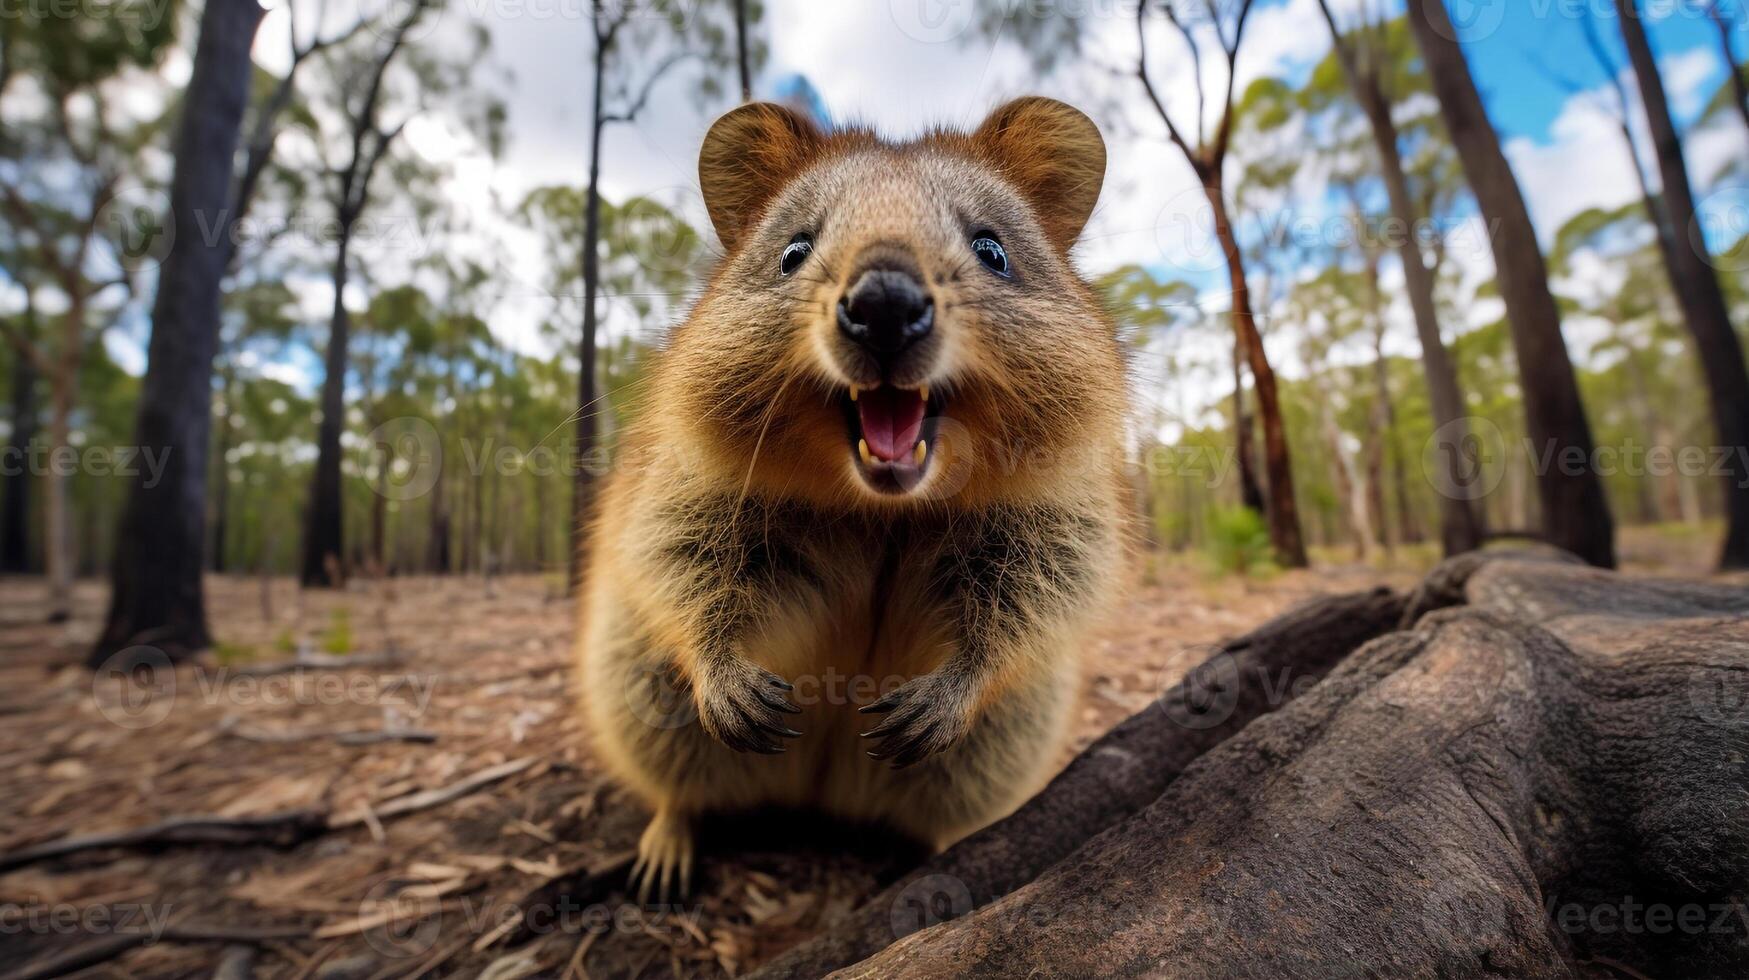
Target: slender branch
1153,96
1195,62
637,105
1224,135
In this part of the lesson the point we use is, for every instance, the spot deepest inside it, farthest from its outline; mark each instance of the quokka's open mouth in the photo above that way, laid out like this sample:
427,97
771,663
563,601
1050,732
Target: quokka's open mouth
892,433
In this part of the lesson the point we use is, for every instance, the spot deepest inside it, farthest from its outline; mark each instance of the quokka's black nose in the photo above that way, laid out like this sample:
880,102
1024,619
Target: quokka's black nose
885,311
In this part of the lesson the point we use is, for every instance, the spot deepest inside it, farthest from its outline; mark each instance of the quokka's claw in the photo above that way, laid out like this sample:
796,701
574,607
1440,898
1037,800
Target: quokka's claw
743,710
924,716
664,864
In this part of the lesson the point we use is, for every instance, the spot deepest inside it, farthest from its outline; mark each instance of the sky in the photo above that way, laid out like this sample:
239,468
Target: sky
906,64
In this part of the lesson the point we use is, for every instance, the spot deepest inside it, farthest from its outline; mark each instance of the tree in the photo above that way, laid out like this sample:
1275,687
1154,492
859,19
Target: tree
161,542
15,554
70,184
619,32
361,89
1207,158
1575,513
1370,55
1736,87
1697,290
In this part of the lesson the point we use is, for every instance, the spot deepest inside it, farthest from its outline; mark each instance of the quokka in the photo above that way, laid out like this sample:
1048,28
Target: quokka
885,446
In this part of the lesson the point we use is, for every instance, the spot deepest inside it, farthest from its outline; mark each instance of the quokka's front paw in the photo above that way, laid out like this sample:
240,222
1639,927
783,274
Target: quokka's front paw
924,715
742,705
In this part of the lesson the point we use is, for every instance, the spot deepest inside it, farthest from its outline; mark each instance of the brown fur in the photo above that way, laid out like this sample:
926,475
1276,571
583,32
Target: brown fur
737,546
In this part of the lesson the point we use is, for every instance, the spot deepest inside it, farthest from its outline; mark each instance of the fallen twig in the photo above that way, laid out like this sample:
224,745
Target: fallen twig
284,829
345,736
108,947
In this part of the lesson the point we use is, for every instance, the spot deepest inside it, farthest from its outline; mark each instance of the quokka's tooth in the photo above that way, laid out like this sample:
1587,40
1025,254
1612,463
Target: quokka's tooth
924,391
920,452
854,391
862,450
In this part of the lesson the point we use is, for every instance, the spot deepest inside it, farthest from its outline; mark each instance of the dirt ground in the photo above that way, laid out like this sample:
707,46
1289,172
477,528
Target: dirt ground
440,681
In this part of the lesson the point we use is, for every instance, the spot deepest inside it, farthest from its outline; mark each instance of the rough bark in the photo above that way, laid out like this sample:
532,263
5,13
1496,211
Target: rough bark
1575,512
1546,781
1281,510
1460,524
161,542
583,482
15,493
1119,774
1697,289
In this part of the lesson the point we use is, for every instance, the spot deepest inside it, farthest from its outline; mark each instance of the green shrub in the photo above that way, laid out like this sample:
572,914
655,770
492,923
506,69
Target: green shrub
338,639
1238,541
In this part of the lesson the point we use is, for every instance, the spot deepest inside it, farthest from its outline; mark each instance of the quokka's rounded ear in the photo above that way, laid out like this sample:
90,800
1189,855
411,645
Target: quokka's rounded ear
748,155
1053,154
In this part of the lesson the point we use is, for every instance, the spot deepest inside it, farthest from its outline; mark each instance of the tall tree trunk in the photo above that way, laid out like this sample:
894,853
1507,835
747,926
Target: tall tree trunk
58,530
1575,511
220,477
323,560
1697,289
160,543
583,486
1739,84
1284,521
741,51
15,554
1250,490
1460,527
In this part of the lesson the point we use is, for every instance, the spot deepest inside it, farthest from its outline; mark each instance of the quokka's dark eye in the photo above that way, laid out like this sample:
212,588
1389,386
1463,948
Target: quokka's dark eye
795,253
990,252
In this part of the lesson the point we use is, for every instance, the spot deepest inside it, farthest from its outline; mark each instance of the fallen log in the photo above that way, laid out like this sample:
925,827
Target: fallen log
1548,781
1123,771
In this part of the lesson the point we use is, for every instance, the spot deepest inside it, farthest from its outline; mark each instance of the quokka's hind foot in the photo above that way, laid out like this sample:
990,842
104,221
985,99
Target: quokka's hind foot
664,864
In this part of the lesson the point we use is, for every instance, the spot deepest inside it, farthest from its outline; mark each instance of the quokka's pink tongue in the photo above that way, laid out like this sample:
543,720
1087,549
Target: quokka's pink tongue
892,420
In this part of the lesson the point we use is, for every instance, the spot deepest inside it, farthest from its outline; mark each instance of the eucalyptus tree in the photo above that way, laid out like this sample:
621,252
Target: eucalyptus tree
1575,512
636,47
1696,284
374,87
75,190
1376,57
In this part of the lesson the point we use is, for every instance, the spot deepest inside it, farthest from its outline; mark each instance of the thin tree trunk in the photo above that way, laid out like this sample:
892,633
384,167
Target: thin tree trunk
741,51
220,477
1575,511
1284,521
1739,84
58,532
583,485
1250,491
323,534
1460,528
1697,289
15,553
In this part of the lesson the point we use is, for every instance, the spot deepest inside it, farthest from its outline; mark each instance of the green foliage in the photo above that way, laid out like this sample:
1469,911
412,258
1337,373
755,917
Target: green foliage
337,638
1238,541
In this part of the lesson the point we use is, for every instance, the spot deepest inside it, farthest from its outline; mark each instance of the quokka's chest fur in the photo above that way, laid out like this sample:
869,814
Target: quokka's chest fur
879,597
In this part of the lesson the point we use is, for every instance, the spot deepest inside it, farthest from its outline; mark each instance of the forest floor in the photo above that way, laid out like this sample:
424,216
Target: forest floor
457,684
